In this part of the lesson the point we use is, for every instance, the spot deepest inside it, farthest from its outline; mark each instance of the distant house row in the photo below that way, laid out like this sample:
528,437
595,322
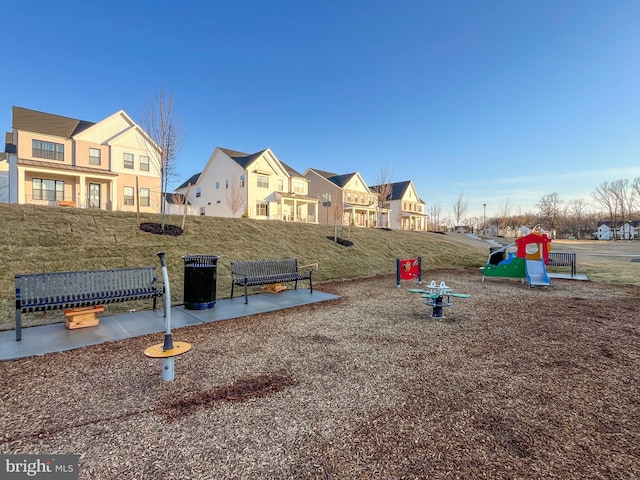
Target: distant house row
113,165
621,231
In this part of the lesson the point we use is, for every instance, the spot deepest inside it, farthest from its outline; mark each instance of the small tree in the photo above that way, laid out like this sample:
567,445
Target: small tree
235,196
163,127
383,190
459,208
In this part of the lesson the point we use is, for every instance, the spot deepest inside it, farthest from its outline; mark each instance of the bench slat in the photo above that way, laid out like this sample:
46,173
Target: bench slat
263,272
62,290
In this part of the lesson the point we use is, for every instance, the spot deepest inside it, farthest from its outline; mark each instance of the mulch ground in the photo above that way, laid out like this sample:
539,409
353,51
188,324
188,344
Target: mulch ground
514,382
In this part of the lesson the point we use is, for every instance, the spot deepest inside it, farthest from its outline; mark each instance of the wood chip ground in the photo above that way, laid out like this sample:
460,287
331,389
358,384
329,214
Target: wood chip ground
515,383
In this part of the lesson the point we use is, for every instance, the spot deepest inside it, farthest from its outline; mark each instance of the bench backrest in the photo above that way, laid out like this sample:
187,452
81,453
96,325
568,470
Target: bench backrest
264,268
68,287
562,259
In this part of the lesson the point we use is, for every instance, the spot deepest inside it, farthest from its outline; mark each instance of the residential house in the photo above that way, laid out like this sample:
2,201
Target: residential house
236,184
623,231
55,160
174,204
4,178
346,199
409,211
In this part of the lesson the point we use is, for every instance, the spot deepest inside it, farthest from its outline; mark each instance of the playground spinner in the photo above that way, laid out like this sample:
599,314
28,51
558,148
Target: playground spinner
438,296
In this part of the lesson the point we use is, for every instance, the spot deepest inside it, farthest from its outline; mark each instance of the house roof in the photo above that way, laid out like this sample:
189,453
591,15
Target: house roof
193,179
291,171
324,173
64,166
47,123
341,180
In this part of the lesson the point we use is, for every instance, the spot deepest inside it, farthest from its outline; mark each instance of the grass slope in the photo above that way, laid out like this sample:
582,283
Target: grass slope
43,239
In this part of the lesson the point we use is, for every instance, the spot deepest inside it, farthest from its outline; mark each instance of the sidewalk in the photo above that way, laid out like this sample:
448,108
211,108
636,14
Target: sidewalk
57,338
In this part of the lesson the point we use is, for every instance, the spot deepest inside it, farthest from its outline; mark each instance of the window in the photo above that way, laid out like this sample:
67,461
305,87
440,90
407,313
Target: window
263,182
128,195
356,198
201,210
348,196
262,209
48,150
43,189
94,156
298,187
226,183
280,185
145,197
241,181
198,191
128,160
144,164
217,185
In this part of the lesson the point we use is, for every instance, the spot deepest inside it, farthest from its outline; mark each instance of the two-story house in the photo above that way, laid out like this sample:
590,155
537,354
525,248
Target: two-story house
56,160
408,210
236,184
346,199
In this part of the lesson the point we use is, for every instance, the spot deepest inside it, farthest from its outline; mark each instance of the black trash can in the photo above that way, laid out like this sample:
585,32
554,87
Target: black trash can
496,257
200,273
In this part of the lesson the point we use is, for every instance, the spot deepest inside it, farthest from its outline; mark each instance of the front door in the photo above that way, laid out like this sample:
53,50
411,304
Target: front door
94,195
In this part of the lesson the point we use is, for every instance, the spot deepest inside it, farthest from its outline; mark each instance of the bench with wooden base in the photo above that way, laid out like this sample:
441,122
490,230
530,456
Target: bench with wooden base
272,273
75,291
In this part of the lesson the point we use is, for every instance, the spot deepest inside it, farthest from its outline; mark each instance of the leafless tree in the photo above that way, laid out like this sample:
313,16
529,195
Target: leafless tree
604,196
235,196
163,126
504,213
550,210
434,214
459,206
576,209
383,188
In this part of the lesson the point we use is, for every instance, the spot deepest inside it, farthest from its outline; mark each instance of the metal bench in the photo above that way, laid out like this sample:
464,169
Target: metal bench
264,272
37,292
563,259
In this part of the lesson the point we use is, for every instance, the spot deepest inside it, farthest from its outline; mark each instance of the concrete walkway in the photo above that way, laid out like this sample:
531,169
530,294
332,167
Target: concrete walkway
57,338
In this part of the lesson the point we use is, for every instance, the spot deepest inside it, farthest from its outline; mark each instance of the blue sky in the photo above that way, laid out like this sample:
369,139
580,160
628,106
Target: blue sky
501,101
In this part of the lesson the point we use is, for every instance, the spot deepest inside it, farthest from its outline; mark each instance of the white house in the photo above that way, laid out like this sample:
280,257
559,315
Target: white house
237,184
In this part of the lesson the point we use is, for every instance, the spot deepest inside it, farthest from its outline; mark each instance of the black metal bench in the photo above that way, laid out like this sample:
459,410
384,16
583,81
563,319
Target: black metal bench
37,292
265,272
563,259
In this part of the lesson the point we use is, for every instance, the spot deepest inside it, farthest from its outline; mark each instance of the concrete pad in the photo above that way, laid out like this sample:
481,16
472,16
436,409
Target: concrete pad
57,338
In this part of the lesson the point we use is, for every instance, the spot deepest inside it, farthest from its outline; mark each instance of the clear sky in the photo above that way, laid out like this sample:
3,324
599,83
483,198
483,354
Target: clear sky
501,101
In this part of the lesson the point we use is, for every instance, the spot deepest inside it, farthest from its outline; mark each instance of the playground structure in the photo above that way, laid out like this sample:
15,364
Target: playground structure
438,296
528,261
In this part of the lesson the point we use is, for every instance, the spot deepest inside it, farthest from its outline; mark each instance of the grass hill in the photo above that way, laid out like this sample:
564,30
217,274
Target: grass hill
43,239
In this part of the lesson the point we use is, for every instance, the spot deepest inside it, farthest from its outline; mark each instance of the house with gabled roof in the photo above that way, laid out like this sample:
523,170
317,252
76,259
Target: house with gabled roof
258,185
346,198
409,211
62,161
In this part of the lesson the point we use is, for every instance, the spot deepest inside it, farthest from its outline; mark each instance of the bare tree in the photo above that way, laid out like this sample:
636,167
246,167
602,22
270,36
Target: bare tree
235,196
605,197
383,189
434,214
576,209
504,213
550,211
162,125
459,206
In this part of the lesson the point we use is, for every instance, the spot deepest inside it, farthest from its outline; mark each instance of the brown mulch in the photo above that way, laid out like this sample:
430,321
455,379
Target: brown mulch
514,382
